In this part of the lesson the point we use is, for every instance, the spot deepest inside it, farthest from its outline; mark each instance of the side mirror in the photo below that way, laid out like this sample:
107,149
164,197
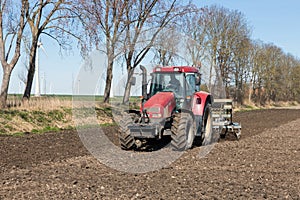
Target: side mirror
198,79
133,81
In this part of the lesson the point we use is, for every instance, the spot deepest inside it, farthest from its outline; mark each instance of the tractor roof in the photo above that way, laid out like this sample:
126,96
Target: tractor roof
186,69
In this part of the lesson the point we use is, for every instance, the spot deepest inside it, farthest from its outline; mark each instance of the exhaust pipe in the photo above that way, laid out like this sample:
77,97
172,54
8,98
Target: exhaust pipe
144,82
144,93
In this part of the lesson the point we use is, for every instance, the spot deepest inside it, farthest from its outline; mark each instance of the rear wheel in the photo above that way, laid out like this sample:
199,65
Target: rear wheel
207,135
127,142
182,131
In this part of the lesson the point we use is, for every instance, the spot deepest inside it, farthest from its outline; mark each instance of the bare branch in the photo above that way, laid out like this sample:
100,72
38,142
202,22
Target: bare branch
63,30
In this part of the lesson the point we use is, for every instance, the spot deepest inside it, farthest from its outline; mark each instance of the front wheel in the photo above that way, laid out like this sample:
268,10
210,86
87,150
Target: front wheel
183,131
127,142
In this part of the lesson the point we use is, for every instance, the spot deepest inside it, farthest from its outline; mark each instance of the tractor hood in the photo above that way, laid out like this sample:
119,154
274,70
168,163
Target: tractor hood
160,105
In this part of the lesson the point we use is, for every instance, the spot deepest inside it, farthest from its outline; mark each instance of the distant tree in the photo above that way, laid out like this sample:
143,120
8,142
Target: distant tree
53,19
257,71
194,28
273,74
12,24
167,46
241,74
271,65
295,80
226,32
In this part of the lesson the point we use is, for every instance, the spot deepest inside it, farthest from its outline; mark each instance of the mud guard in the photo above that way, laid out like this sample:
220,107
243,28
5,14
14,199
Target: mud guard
199,102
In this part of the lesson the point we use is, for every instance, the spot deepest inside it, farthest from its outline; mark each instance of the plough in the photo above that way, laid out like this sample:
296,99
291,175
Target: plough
222,110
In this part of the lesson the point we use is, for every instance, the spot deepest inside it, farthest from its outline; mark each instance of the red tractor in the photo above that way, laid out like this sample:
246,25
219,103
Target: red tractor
174,106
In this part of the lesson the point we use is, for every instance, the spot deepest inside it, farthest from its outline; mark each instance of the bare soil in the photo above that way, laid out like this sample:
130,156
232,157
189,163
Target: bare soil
263,164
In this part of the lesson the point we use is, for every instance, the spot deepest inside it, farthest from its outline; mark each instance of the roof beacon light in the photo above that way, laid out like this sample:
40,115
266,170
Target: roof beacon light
158,69
176,69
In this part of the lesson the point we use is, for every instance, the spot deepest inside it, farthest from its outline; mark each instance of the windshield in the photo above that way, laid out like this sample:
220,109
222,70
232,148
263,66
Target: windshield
167,82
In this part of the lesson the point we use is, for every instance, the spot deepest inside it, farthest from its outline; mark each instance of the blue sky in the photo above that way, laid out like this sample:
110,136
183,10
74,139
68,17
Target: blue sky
272,21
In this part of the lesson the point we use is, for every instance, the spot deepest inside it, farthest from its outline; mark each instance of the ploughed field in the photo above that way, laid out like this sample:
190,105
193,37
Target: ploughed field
263,164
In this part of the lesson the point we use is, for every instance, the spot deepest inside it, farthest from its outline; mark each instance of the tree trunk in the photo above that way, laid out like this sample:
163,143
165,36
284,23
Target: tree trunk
5,84
31,71
250,90
109,76
30,76
212,64
128,86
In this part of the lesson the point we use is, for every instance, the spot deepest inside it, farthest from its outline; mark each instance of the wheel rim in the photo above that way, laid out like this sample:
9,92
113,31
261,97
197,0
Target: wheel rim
190,134
207,133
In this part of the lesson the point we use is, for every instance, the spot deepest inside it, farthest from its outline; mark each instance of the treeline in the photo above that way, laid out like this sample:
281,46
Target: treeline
215,38
247,69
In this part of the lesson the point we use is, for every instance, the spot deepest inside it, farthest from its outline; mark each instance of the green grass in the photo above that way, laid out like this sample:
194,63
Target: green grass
52,113
35,121
18,134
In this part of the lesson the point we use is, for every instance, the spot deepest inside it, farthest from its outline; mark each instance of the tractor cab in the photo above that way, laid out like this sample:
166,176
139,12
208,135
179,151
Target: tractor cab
182,81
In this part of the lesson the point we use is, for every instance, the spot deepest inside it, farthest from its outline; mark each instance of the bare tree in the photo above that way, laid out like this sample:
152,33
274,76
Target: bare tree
12,23
241,69
257,71
220,34
103,22
271,64
167,46
51,18
146,19
120,25
194,28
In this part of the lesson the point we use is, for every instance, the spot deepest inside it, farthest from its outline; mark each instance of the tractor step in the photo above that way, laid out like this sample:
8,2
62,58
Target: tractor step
143,131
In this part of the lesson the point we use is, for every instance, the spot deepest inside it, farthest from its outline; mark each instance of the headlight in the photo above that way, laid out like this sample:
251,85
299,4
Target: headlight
153,109
156,115
155,112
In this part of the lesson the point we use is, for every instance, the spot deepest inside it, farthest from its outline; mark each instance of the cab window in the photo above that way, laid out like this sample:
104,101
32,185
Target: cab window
190,84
